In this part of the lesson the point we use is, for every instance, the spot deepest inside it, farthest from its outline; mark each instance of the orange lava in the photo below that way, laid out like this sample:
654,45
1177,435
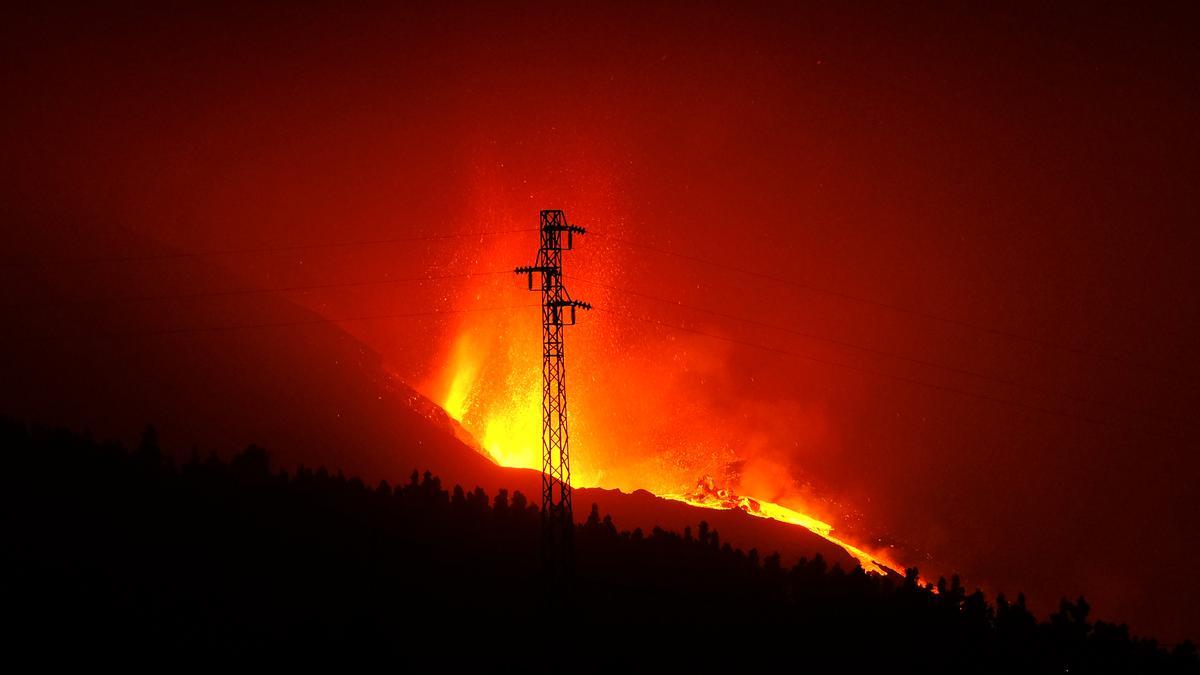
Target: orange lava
708,495
493,390
642,414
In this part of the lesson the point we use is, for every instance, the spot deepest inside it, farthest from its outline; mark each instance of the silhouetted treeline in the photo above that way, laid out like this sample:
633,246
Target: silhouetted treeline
127,549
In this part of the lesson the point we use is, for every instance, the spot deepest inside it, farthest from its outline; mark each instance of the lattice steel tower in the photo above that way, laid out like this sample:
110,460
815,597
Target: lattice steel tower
558,310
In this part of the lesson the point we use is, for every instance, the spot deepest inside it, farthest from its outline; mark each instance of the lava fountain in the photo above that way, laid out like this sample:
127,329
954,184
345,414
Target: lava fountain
490,383
648,410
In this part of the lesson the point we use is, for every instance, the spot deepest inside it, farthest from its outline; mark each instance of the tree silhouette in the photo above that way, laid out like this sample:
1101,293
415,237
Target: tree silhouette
104,547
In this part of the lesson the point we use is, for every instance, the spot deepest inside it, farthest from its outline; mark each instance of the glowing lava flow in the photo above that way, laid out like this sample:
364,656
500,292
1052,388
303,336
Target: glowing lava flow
490,383
509,430
708,496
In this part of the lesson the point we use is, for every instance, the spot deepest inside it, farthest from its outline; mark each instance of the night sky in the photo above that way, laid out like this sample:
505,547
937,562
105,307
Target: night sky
929,271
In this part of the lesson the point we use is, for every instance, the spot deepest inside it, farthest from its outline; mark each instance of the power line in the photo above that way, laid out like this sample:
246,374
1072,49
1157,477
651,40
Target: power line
805,334
894,355
250,291
900,378
403,315
639,245
730,317
278,324
264,249
231,292
1049,344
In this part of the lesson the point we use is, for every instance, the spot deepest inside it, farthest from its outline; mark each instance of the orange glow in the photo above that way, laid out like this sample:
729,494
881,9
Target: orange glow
493,390
708,496
512,431
463,379
646,408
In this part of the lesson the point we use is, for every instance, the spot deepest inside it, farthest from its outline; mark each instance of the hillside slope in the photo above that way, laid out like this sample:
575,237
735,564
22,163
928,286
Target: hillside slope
122,552
295,384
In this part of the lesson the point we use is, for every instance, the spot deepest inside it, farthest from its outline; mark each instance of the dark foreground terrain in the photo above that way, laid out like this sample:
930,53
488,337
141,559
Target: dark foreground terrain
125,551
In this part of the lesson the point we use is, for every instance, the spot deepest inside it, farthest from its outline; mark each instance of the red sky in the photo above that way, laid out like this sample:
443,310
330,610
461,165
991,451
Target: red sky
1004,191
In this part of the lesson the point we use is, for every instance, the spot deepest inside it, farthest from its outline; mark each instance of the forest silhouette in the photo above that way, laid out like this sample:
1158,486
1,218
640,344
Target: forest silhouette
126,549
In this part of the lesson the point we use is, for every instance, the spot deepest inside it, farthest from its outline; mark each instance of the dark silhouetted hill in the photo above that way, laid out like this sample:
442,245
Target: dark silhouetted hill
115,550
306,389
94,350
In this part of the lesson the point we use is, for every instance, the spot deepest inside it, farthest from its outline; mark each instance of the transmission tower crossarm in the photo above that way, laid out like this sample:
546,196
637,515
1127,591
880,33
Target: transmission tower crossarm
573,304
563,226
530,270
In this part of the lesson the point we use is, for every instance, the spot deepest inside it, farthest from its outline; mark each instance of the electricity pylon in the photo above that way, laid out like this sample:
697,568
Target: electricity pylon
558,310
